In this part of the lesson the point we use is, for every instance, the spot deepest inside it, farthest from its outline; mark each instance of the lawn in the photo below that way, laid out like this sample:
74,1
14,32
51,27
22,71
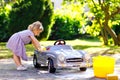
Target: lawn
94,47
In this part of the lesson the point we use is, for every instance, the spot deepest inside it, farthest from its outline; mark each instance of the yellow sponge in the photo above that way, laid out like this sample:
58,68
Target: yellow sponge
112,77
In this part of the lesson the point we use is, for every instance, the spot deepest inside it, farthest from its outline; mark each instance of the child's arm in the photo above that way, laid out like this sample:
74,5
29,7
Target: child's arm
36,43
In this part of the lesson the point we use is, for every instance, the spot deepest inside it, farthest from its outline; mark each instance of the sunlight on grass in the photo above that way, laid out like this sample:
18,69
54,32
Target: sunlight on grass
83,42
73,43
90,46
4,52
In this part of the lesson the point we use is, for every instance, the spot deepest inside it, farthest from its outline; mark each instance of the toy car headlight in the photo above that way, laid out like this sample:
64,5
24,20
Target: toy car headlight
87,57
61,58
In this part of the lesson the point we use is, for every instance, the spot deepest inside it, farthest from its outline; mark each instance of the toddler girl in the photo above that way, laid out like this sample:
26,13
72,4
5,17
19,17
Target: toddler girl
17,43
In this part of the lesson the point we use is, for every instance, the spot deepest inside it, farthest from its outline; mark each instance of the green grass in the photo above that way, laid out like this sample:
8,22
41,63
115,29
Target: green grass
93,47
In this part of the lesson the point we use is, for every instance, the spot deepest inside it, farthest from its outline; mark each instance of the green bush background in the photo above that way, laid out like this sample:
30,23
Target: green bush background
23,13
65,23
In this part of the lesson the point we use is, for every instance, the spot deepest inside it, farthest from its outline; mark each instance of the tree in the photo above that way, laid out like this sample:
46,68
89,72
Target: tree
25,12
4,21
105,12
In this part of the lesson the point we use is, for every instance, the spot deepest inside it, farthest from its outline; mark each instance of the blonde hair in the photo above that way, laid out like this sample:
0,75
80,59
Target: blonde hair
35,25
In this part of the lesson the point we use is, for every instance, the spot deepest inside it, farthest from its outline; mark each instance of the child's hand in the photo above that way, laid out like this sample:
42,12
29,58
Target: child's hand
39,49
43,48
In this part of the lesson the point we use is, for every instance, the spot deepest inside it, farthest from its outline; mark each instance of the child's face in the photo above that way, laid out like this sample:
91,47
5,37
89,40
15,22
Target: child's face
37,32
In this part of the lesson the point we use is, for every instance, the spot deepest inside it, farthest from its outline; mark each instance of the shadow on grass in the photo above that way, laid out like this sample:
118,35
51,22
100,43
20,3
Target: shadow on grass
99,50
83,46
2,43
91,40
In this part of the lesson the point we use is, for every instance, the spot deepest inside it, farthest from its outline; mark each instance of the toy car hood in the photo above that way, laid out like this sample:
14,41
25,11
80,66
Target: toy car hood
69,53
66,50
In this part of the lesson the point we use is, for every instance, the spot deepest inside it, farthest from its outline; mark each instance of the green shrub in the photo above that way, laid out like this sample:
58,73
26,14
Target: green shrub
26,12
4,21
116,28
65,28
47,20
68,22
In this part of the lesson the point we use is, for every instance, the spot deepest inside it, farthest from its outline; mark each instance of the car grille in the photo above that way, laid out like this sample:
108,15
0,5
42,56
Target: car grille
74,60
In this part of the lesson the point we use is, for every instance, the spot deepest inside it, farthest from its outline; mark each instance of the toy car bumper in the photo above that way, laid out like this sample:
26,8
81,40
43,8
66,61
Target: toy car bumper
83,64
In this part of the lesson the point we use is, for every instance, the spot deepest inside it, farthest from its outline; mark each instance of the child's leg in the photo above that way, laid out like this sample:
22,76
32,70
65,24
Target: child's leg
17,60
18,63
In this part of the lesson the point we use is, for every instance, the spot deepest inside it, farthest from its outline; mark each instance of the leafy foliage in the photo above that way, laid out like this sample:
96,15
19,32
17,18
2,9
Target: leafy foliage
116,28
68,22
94,29
4,21
105,12
25,12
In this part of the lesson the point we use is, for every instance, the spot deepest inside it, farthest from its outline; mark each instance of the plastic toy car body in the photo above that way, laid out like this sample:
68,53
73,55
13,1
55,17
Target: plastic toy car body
61,56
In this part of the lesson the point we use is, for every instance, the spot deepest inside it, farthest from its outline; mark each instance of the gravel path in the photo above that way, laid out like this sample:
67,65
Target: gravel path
8,72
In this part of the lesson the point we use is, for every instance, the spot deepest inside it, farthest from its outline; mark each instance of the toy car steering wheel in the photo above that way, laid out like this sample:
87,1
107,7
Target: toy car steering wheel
60,42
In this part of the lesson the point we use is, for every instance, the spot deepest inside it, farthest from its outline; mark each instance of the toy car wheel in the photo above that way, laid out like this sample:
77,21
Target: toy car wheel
51,68
35,63
83,69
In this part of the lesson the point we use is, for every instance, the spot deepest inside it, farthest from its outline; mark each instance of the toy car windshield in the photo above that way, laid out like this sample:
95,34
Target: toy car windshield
61,47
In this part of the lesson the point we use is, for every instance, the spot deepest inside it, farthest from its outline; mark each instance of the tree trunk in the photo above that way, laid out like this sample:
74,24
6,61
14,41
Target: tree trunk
118,37
104,36
103,32
105,8
112,33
